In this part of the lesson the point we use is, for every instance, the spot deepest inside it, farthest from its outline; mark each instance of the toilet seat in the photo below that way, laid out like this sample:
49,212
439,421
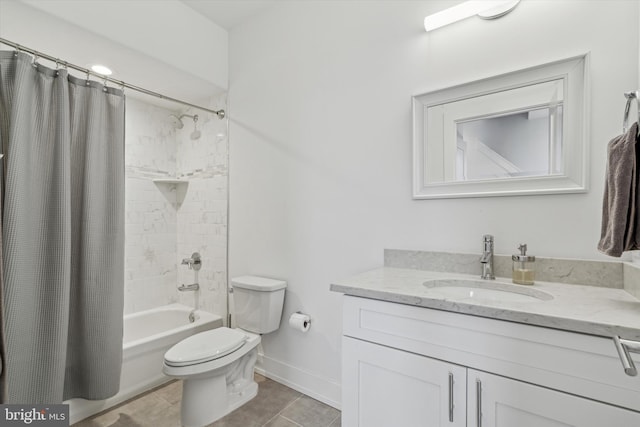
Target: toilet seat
205,347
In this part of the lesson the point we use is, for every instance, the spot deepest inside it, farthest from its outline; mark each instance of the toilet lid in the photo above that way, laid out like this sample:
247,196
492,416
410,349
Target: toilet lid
205,346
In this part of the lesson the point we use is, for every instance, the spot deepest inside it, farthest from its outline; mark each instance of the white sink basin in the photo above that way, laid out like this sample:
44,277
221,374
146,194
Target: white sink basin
485,290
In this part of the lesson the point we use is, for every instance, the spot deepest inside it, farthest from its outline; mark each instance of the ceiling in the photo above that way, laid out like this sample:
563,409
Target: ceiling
229,13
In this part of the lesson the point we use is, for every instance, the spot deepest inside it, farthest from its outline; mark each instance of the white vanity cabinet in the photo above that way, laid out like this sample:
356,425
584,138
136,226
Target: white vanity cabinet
386,387
412,366
505,402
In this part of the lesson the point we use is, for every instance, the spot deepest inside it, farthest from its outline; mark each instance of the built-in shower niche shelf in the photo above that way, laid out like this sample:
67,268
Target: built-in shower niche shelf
171,181
174,189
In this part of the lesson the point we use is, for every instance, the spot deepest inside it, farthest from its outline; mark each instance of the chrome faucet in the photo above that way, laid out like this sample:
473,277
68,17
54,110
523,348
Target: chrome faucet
487,258
191,287
194,263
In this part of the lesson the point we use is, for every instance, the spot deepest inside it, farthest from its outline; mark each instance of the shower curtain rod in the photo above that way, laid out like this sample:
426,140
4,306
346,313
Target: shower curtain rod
220,113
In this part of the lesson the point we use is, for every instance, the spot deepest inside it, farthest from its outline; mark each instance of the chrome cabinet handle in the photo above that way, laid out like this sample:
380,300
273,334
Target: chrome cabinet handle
478,402
624,347
450,397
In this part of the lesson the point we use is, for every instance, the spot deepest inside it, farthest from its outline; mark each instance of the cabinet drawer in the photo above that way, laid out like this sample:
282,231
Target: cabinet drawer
580,364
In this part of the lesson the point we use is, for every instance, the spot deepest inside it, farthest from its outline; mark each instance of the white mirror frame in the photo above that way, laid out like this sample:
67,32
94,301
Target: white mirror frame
574,74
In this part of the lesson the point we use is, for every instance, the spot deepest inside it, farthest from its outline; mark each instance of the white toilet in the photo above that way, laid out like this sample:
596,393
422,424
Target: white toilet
217,365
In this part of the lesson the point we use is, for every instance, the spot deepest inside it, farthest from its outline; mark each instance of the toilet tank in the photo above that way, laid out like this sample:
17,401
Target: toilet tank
258,303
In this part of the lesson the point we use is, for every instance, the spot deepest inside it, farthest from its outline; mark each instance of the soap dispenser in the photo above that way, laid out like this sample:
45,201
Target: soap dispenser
523,267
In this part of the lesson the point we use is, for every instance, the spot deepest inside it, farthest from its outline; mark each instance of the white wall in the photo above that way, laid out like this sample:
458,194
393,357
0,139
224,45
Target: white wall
320,145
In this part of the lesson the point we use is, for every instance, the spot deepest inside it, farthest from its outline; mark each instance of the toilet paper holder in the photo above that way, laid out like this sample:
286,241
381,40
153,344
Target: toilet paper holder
309,317
300,321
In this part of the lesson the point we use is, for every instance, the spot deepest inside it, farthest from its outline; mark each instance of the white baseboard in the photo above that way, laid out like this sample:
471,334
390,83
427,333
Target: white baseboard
320,388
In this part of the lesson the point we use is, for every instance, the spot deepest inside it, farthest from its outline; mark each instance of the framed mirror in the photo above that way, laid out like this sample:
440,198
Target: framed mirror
519,133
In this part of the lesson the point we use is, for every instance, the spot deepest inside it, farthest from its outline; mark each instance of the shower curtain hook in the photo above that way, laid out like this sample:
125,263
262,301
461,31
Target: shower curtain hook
104,83
35,60
88,76
17,51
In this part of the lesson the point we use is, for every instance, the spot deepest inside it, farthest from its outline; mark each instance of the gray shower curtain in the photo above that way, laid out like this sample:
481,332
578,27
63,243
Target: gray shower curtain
63,233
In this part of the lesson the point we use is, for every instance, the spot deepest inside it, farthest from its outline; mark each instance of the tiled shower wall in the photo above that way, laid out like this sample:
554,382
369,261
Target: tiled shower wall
202,208
167,222
150,211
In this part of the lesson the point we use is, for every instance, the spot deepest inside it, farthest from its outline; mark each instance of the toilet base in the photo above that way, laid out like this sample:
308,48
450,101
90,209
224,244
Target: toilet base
209,398
196,413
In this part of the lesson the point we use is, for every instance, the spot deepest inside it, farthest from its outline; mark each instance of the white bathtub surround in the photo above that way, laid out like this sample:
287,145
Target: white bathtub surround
147,336
203,158
202,227
202,213
150,211
166,222
150,246
150,139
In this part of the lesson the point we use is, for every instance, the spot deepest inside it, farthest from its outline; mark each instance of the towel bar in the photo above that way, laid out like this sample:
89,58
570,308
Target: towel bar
625,119
624,347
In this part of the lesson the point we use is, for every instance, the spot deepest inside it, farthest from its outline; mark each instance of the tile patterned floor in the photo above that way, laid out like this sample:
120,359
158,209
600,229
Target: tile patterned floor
275,406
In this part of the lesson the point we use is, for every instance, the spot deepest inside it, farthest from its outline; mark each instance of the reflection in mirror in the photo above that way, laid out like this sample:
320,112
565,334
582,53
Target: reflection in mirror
518,133
527,143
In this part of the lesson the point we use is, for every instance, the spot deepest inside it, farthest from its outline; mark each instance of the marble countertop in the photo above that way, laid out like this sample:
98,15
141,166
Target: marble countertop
586,309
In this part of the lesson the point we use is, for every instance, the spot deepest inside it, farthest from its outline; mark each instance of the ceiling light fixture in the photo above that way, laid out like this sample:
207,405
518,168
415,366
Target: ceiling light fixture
485,9
101,69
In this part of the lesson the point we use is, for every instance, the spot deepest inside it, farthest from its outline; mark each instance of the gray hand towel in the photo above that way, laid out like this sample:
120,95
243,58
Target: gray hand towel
620,211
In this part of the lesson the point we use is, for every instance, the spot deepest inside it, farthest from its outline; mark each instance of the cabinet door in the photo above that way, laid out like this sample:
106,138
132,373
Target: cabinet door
508,403
385,387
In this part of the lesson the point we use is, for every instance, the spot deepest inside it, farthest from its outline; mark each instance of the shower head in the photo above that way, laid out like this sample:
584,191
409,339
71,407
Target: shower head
176,121
196,133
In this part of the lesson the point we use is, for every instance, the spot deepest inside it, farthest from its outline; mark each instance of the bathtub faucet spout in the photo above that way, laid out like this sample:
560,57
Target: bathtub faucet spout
191,287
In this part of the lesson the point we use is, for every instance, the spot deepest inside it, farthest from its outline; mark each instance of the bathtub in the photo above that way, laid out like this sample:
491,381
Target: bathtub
147,336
